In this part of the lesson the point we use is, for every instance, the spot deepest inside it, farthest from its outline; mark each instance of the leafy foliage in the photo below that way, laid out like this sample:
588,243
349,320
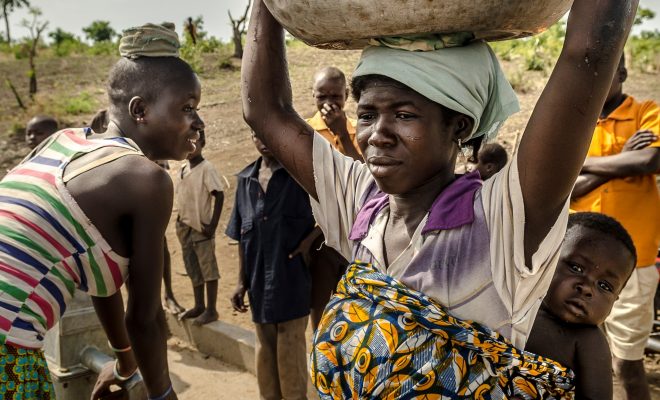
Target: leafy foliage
100,31
59,36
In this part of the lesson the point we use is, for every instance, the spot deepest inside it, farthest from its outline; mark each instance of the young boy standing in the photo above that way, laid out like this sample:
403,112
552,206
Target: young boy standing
271,217
199,198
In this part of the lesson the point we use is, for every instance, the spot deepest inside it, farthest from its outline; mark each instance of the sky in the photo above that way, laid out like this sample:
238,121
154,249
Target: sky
73,15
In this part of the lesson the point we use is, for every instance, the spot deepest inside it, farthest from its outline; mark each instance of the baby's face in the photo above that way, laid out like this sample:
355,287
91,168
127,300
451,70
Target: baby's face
592,270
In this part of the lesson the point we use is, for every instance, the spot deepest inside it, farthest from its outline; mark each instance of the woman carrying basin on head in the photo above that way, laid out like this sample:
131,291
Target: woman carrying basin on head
434,251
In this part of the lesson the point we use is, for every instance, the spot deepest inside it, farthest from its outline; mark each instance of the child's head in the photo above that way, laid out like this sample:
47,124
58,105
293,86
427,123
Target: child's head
199,146
597,258
620,77
491,159
154,94
38,129
261,147
330,88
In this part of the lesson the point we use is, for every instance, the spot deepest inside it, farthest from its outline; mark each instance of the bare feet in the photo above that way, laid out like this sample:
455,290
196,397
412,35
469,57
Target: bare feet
206,317
192,313
170,305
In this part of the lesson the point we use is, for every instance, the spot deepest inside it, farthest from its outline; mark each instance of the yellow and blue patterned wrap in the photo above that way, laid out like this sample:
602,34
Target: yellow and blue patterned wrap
24,374
379,339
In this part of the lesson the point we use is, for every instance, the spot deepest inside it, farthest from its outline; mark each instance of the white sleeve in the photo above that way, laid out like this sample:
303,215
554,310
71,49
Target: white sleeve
340,185
520,286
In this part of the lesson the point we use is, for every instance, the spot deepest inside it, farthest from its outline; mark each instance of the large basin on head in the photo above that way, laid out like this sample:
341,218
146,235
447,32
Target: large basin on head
349,24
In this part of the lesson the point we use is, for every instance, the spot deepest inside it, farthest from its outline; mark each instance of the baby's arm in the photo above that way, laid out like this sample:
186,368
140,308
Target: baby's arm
593,366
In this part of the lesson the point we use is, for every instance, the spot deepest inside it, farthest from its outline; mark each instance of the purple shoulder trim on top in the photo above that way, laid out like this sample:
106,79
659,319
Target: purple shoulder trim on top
454,207
373,202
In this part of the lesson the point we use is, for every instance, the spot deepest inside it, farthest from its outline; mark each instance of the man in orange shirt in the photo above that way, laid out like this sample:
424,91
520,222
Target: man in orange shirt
618,179
330,93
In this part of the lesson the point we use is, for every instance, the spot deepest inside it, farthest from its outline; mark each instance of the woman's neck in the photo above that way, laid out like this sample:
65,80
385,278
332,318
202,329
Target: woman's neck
411,207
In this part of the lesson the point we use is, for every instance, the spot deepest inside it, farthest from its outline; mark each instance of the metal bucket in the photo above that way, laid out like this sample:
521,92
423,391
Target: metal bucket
349,24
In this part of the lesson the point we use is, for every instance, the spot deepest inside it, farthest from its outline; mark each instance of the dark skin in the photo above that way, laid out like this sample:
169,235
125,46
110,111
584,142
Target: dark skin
573,99
636,158
593,268
133,217
204,314
330,96
38,130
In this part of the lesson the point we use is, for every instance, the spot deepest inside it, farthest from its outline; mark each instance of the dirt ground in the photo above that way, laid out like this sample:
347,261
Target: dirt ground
196,376
229,148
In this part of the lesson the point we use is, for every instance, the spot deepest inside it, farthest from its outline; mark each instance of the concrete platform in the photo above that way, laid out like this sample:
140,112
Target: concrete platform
226,342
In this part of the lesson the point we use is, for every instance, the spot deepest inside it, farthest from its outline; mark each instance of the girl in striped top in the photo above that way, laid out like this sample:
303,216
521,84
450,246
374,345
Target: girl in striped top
83,210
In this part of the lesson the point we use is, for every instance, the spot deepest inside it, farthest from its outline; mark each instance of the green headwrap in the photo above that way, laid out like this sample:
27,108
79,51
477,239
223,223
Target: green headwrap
150,40
465,79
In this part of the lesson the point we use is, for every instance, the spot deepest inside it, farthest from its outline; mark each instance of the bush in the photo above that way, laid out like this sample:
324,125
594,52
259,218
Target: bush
536,53
103,48
644,50
100,31
68,47
84,103
193,56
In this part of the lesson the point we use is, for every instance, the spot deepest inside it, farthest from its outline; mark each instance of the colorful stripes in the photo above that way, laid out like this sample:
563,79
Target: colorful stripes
48,248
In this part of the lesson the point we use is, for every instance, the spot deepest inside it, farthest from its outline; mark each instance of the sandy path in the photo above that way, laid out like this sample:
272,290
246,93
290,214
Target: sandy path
196,376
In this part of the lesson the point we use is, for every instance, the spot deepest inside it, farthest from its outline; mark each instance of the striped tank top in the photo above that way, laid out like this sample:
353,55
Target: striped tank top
48,247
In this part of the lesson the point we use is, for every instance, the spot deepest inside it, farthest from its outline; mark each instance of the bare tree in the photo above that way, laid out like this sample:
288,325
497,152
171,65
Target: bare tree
238,30
36,28
9,6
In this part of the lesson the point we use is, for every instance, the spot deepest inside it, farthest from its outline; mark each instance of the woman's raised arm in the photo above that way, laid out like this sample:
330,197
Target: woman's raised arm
558,134
266,95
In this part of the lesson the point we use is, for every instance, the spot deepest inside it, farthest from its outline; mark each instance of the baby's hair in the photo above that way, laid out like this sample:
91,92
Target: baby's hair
47,123
605,225
146,77
493,153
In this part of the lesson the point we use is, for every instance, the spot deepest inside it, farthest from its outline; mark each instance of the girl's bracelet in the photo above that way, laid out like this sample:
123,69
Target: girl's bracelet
129,348
164,395
120,378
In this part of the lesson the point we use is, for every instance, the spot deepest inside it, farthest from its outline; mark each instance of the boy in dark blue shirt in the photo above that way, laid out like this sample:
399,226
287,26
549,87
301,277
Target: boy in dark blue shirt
272,220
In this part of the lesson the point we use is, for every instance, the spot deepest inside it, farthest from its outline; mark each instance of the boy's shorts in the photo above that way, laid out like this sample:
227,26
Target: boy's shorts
198,254
629,324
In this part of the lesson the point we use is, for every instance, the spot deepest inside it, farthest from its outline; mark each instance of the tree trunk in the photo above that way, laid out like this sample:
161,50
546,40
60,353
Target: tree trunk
238,44
4,13
33,75
33,83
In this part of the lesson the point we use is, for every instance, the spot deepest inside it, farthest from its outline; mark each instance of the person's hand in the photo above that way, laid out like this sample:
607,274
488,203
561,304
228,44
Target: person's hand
104,381
304,248
208,230
640,140
238,299
334,117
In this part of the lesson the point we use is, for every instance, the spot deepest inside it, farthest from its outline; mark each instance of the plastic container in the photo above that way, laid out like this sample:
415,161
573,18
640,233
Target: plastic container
349,24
